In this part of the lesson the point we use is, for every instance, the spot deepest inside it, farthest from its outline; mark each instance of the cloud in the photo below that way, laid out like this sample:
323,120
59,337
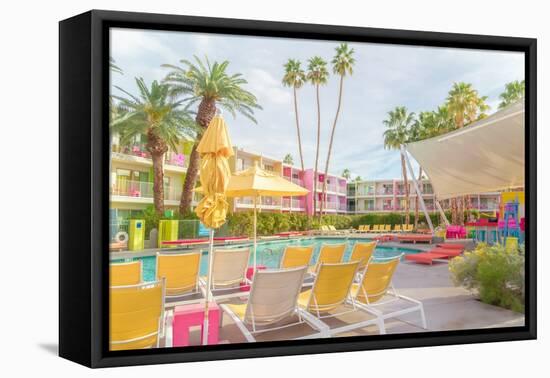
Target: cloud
385,76
135,44
268,89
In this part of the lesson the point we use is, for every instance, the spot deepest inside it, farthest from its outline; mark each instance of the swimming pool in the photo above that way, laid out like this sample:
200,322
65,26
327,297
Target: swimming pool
269,253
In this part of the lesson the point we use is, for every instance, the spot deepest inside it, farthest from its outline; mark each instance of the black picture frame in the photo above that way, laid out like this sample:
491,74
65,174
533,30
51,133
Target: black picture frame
83,208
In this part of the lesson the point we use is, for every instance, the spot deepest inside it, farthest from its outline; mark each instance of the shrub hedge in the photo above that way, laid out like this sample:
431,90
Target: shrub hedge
495,273
241,223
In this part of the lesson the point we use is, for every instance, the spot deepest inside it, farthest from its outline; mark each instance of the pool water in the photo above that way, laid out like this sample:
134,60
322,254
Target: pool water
269,253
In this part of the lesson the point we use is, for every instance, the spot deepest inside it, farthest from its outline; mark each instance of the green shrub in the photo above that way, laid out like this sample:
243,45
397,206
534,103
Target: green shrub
496,273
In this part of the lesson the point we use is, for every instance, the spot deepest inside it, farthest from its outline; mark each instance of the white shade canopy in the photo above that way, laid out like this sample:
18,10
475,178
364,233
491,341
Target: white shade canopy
486,156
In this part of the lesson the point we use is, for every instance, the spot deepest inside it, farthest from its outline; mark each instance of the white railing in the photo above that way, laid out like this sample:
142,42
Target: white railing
170,158
142,189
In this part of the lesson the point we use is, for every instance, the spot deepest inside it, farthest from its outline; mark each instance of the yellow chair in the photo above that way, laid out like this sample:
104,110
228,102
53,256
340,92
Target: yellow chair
122,274
329,254
361,228
366,228
375,228
331,291
362,252
377,284
397,228
331,287
387,228
181,272
136,314
408,228
511,243
296,256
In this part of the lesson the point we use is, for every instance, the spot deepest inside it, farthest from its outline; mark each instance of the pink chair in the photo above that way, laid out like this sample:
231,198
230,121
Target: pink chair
187,316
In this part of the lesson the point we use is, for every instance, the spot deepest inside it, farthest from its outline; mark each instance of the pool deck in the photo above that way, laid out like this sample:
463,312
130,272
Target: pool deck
447,308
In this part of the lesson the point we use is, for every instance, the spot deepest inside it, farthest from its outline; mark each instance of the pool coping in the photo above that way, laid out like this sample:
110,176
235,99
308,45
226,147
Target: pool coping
122,255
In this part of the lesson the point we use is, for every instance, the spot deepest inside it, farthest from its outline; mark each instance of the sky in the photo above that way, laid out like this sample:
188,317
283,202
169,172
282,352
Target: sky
385,76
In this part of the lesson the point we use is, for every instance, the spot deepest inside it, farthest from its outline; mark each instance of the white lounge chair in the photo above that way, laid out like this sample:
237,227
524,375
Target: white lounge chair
272,305
228,273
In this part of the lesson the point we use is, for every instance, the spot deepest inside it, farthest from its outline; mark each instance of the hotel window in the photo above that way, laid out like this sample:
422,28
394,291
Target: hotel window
240,164
268,167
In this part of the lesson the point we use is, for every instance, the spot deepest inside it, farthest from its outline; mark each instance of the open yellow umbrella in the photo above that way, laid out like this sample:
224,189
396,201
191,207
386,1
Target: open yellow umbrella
215,148
256,182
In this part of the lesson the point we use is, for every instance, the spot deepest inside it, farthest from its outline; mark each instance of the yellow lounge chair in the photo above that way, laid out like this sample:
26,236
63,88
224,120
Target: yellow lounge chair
272,304
296,256
397,228
228,273
387,228
335,231
331,254
331,291
362,252
181,274
408,228
366,228
122,274
377,284
375,228
136,316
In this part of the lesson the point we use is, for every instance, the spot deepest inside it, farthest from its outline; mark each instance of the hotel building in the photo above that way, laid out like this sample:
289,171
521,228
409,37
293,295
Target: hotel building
378,196
132,186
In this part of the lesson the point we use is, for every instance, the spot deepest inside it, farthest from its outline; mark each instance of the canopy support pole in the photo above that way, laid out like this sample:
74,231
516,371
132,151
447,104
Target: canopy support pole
442,213
255,225
417,188
208,285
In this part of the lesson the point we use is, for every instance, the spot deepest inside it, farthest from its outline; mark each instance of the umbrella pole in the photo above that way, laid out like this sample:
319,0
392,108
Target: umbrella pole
208,284
255,225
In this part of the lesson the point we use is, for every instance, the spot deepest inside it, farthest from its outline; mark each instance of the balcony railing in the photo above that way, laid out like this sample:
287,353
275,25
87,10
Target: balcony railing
265,201
142,189
292,203
170,158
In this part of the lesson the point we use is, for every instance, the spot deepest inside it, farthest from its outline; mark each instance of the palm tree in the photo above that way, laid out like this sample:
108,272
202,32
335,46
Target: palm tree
317,75
465,106
346,174
209,86
513,92
342,65
113,67
288,159
295,77
163,120
398,125
358,179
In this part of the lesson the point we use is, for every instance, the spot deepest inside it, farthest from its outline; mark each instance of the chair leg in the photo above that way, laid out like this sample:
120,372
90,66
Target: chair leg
381,326
423,316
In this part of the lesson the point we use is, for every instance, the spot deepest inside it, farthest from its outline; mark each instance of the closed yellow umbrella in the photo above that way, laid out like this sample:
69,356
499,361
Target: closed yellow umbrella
214,148
256,182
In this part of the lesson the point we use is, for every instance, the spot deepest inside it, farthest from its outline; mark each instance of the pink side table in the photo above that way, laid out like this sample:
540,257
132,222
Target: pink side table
187,316
250,276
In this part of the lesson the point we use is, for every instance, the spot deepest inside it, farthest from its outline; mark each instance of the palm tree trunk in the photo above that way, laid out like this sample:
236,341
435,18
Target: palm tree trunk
299,138
332,140
454,212
189,183
298,129
417,201
158,182
206,111
406,182
317,152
